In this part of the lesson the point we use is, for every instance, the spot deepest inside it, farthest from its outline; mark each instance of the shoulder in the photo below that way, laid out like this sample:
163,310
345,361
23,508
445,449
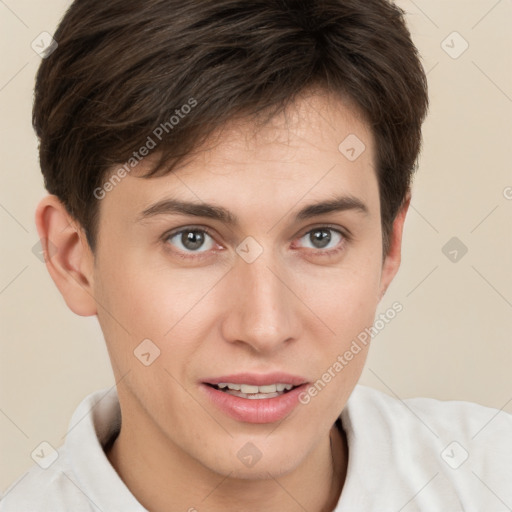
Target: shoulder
455,452
447,415
432,418
53,488
77,476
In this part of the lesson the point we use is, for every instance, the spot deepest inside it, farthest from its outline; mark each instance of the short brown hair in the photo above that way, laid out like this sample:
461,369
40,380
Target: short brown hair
124,67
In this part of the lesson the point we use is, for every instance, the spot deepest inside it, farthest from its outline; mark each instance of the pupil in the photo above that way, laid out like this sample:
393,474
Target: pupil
323,239
192,239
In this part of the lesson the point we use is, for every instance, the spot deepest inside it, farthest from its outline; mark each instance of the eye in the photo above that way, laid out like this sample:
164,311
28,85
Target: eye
189,240
325,239
195,242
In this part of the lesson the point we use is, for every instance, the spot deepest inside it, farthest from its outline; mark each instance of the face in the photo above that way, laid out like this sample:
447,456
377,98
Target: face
268,297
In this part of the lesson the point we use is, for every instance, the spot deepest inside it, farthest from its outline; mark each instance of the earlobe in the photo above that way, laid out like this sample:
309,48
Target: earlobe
393,258
67,255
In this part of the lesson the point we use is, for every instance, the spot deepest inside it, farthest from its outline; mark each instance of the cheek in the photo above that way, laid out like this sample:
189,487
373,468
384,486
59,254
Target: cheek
133,305
346,297
151,300
146,294
347,306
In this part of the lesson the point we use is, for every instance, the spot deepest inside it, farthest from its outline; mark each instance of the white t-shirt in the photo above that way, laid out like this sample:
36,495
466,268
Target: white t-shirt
418,454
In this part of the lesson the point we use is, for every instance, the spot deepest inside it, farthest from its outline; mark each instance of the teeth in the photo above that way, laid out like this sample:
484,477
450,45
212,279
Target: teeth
261,395
246,388
250,389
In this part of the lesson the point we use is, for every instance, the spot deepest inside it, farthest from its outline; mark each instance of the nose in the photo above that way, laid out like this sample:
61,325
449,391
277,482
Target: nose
263,311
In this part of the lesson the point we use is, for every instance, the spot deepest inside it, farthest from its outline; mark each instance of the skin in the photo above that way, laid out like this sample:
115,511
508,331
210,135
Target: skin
293,309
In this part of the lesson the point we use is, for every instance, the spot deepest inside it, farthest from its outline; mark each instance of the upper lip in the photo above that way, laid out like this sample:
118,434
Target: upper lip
258,379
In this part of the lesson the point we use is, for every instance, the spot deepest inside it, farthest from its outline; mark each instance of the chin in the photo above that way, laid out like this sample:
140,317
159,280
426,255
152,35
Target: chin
263,472
249,463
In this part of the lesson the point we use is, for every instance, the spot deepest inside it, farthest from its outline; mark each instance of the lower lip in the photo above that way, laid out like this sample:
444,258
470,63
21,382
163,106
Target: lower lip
263,410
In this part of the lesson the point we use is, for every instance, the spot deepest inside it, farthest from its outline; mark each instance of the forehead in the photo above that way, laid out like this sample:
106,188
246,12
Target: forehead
316,122
319,147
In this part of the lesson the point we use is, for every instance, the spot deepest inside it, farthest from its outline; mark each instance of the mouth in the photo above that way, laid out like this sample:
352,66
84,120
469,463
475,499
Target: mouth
253,392
255,398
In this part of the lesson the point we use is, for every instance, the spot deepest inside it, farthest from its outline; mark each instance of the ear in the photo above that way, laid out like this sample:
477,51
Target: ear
392,261
68,257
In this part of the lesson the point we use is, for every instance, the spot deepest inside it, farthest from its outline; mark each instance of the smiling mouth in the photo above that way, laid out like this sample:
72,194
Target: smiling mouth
253,392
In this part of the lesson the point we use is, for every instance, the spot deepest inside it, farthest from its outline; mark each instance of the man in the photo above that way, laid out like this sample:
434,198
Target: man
228,187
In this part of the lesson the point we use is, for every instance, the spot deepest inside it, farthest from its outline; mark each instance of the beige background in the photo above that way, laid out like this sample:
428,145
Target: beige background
451,341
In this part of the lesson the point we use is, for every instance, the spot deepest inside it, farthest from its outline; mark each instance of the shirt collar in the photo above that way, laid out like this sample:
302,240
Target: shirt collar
94,422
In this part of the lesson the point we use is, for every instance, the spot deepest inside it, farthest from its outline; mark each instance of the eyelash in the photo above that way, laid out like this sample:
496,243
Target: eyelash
346,238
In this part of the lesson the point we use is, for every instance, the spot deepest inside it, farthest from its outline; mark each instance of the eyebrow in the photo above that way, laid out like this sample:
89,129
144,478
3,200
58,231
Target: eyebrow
219,213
